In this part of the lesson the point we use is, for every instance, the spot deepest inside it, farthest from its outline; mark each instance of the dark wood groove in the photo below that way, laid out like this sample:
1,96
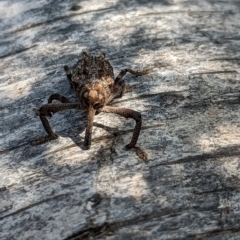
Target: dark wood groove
178,12
229,151
214,72
34,204
18,51
109,228
224,59
29,26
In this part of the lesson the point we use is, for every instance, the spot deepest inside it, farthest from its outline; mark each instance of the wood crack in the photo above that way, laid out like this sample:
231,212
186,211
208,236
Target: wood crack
2,189
214,72
215,233
29,26
143,96
225,189
13,148
109,228
34,204
177,12
18,51
224,59
232,150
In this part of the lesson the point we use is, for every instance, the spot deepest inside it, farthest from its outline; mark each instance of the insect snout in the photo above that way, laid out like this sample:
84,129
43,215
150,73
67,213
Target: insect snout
94,98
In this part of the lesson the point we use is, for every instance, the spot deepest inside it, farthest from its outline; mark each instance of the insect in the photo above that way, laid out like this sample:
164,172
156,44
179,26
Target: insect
93,81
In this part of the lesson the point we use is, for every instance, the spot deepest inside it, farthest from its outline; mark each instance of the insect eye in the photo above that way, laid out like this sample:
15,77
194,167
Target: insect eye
86,102
96,105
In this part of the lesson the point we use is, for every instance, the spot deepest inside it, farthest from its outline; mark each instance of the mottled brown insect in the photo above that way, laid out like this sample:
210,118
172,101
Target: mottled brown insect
93,81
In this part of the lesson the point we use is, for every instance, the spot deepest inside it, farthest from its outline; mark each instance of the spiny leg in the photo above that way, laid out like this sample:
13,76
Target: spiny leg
47,110
124,89
136,73
119,87
58,97
127,113
69,75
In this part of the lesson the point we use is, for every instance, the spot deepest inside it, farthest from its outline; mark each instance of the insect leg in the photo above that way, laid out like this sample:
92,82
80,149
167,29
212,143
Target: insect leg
127,113
68,74
47,110
58,97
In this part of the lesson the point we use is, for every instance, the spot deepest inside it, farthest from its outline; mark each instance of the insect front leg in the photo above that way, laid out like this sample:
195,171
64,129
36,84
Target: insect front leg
119,83
47,110
88,134
136,73
59,97
118,90
68,74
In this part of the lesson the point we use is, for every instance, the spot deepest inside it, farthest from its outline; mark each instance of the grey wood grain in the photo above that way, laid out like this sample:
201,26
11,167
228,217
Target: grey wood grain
188,188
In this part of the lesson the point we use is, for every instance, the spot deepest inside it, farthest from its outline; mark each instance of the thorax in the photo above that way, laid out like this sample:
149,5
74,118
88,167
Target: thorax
90,72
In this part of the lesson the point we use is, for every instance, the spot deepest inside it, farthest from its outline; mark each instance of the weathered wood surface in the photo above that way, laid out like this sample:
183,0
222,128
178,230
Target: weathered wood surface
188,188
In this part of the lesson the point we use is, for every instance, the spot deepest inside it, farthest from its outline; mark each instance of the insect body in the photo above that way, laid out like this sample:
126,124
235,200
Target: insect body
93,81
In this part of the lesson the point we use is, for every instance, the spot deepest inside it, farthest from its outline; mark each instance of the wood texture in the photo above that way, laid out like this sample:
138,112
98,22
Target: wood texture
189,186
